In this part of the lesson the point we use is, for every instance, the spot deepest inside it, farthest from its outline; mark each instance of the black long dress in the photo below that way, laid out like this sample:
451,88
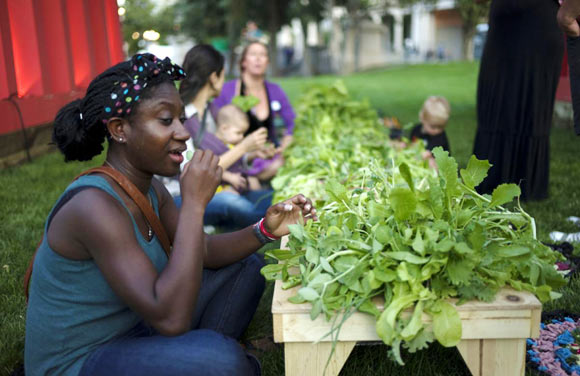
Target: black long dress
518,77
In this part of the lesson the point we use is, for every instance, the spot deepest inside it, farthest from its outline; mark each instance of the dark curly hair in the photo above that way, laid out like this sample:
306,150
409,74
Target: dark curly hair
80,126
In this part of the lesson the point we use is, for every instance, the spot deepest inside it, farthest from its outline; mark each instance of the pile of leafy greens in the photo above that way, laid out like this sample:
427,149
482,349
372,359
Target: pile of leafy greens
391,228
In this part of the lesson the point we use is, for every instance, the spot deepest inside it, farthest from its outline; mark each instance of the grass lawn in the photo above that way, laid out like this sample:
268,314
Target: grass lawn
29,191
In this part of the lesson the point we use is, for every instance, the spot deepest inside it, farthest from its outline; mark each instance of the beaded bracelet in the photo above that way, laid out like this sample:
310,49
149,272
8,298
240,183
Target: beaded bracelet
265,232
262,234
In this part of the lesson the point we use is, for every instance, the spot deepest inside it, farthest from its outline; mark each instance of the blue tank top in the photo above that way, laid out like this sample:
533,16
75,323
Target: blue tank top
72,310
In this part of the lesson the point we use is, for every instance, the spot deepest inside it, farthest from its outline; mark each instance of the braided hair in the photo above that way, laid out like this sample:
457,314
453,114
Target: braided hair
199,63
80,126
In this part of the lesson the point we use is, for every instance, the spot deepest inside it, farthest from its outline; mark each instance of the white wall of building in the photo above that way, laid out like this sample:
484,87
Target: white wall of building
423,29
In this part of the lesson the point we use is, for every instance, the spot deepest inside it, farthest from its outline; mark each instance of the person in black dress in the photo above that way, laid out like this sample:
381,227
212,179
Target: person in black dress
518,77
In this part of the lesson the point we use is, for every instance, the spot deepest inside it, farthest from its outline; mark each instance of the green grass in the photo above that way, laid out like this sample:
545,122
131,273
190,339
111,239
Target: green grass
29,191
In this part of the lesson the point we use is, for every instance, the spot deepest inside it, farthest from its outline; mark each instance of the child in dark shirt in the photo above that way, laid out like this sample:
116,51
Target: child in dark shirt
433,116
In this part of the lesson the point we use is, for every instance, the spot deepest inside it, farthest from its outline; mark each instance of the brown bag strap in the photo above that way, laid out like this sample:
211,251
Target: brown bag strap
139,199
136,196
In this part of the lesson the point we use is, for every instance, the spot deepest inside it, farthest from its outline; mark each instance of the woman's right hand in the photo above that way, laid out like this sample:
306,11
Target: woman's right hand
255,140
200,178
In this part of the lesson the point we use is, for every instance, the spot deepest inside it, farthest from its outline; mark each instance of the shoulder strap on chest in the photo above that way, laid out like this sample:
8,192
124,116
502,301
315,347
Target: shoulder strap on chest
136,196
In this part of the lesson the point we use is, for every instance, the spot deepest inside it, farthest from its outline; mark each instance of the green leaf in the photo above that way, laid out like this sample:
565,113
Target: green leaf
245,102
462,248
477,238
383,234
326,265
369,307
319,280
384,275
420,341
464,216
334,231
336,190
297,231
447,169
406,174
308,293
431,235
534,274
343,263
377,246
475,172
189,155
504,193
403,202
296,299
377,210
512,251
444,245
436,197
408,257
312,254
407,234
279,254
418,244
271,271
316,309
415,324
395,352
447,325
403,272
459,271
351,278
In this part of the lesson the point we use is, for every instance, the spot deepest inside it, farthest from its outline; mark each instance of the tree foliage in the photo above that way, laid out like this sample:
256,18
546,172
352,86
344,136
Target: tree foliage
141,15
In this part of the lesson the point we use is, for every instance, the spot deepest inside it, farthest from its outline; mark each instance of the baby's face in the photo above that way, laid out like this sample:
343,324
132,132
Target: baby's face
234,133
433,129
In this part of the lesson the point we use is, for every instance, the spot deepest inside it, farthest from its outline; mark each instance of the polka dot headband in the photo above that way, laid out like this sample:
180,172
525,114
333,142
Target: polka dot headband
146,69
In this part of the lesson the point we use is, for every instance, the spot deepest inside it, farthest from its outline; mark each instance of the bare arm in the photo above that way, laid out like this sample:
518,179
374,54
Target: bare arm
567,15
251,142
225,249
165,300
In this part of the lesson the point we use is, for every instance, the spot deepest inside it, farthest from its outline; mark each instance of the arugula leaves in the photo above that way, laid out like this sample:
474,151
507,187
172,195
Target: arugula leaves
390,226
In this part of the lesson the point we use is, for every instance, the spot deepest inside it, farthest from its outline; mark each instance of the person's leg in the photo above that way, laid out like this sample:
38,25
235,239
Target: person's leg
262,199
229,297
216,209
231,210
198,352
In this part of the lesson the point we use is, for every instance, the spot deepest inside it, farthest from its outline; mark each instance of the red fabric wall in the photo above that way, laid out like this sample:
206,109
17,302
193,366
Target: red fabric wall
49,52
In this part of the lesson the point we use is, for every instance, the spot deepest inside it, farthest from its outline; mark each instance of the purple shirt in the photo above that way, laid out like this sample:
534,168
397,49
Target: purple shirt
279,104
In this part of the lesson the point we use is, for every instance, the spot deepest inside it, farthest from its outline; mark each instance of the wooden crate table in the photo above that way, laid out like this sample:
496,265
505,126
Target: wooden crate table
493,341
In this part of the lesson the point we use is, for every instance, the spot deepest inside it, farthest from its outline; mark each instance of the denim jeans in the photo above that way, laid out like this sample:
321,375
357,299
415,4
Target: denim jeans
234,211
226,303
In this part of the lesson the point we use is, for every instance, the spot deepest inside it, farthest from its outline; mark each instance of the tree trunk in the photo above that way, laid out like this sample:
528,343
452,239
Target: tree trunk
357,43
236,16
273,27
468,34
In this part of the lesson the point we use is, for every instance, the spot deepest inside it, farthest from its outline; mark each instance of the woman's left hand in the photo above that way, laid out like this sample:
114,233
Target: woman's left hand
289,212
286,141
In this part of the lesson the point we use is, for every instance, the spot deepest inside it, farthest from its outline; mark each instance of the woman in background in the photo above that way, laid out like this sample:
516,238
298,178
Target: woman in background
273,104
